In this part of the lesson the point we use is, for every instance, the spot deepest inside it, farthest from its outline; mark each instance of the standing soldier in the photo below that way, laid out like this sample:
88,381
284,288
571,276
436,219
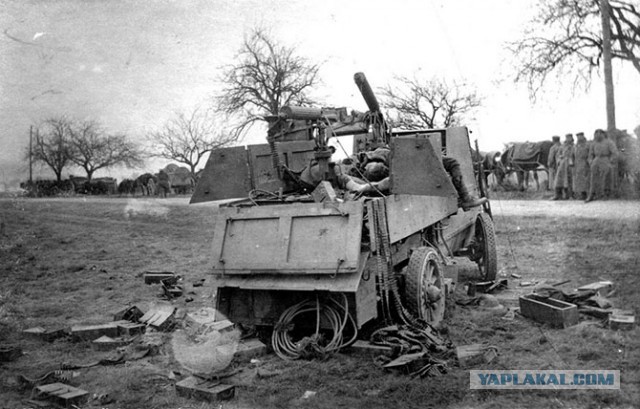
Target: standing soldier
611,184
581,167
551,160
601,154
564,174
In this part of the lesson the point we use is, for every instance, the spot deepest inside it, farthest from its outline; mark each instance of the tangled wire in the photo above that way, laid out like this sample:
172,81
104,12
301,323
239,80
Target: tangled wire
335,313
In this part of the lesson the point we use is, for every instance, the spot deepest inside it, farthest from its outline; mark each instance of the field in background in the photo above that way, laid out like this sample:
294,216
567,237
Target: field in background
75,261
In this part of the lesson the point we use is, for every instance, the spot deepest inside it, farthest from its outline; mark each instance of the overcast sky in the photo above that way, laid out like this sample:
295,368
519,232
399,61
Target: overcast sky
131,63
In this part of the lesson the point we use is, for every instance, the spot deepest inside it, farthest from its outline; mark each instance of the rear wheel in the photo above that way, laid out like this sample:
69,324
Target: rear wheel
424,288
485,254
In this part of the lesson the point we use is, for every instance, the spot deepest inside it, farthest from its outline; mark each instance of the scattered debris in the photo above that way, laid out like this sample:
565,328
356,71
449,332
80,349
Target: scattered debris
514,275
498,284
91,332
159,317
527,283
599,302
44,334
558,284
105,343
548,310
171,289
10,353
369,349
418,364
209,391
470,355
599,287
250,348
62,394
622,320
156,277
205,316
487,286
264,374
199,283
596,312
132,313
130,329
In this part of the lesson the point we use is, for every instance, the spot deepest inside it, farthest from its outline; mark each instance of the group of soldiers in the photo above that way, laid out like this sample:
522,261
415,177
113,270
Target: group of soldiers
583,170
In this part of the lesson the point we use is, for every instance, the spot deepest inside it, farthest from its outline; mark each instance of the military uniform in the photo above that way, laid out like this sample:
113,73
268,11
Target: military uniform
564,174
581,169
602,154
551,163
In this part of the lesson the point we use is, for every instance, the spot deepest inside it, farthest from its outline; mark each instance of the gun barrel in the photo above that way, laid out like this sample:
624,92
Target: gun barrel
296,112
367,92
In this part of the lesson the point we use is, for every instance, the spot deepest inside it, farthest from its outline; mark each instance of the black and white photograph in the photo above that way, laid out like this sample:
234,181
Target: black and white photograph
250,204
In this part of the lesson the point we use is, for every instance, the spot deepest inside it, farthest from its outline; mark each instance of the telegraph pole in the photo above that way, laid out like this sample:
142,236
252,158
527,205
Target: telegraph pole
31,155
606,56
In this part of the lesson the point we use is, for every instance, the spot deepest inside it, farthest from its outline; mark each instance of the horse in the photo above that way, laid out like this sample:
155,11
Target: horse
525,157
490,162
146,183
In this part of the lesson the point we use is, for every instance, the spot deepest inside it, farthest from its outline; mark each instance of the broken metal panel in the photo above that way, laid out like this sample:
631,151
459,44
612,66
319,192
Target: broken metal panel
416,169
458,147
225,176
312,238
407,214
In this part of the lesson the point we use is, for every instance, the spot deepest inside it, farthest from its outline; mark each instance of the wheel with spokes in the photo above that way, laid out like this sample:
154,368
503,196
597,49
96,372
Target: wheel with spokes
424,285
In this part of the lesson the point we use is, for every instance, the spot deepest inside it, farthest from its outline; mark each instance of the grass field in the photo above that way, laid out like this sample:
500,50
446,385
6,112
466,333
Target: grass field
76,261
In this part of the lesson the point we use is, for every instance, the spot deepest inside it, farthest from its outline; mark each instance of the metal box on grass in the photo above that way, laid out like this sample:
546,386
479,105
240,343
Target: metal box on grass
556,313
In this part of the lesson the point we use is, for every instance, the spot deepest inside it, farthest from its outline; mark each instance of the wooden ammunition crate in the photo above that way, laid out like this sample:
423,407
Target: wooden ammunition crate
556,313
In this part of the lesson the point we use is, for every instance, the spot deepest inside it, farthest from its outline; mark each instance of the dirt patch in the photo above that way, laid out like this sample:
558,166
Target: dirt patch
68,261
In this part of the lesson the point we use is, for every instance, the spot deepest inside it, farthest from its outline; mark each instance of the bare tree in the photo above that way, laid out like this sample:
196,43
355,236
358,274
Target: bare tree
267,76
52,144
565,38
412,103
92,148
188,137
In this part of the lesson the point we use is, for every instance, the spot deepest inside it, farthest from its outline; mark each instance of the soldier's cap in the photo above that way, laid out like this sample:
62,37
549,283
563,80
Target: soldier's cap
580,134
555,138
569,135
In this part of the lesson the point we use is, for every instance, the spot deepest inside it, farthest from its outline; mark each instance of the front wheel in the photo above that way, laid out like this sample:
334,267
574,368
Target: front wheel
424,288
485,254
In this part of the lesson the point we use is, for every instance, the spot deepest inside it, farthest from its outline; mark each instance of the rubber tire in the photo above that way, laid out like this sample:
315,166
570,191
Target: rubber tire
421,259
485,233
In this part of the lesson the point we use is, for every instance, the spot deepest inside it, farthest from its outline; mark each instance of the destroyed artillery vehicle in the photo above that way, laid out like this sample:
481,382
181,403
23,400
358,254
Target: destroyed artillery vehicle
300,239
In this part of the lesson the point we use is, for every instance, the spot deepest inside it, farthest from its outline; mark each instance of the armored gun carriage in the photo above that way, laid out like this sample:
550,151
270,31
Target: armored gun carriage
295,237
